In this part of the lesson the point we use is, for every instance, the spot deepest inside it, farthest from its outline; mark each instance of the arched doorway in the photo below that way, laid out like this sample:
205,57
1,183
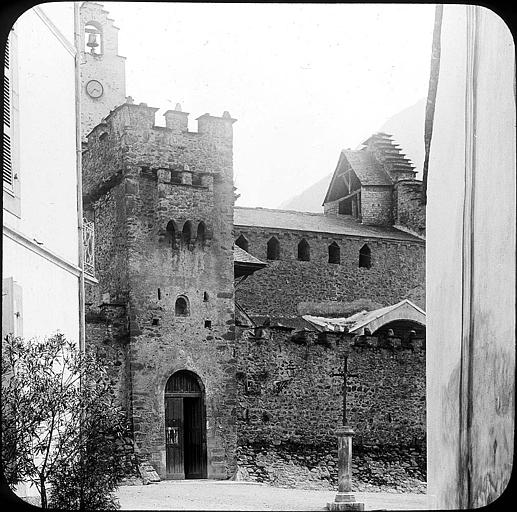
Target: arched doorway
185,426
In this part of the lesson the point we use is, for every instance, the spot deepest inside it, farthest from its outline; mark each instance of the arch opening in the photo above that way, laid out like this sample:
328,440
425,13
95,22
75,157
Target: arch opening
242,242
334,253
93,40
304,250
171,233
181,307
185,426
201,233
186,232
365,257
273,249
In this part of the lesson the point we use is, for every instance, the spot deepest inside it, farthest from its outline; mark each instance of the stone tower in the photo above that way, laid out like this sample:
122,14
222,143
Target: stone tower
103,72
162,201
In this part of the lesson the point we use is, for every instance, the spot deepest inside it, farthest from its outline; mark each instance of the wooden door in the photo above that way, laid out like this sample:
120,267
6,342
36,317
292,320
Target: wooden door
185,430
174,438
195,460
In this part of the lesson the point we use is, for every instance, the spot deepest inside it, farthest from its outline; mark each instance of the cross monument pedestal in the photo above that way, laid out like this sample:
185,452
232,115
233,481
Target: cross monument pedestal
345,499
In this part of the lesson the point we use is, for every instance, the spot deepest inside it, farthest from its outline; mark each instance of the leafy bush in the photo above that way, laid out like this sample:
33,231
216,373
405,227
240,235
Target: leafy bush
61,426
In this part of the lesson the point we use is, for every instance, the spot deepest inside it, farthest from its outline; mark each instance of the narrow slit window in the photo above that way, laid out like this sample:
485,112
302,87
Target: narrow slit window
365,257
304,250
201,233
334,253
242,243
273,249
171,234
186,233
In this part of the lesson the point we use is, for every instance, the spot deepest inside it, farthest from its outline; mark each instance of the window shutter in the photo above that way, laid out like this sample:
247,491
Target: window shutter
11,308
8,176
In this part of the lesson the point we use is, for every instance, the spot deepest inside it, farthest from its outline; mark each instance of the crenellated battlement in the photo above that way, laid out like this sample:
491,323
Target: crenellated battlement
141,117
128,139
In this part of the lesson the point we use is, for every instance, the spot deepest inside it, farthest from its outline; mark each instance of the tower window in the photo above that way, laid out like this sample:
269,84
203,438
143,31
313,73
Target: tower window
242,243
273,249
201,233
186,233
181,308
365,257
205,296
93,38
334,253
304,250
171,234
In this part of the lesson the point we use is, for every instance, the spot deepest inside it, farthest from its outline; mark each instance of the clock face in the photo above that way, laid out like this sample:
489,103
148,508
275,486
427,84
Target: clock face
94,89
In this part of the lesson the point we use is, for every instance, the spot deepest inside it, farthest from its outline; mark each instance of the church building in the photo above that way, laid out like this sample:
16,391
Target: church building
187,281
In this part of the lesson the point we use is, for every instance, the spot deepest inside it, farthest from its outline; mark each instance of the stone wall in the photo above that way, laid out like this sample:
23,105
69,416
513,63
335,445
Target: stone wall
376,205
289,405
397,272
409,208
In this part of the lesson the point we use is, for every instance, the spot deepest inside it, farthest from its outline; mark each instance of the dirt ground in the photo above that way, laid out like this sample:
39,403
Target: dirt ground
228,495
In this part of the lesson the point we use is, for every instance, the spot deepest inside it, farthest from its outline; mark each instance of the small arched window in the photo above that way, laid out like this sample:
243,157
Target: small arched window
181,308
334,253
171,233
186,232
365,257
273,249
242,243
201,233
205,297
93,38
304,250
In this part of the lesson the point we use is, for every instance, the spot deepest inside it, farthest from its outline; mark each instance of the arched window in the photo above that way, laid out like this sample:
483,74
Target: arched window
304,250
242,242
171,233
273,249
93,38
186,232
334,253
205,297
201,233
181,308
365,257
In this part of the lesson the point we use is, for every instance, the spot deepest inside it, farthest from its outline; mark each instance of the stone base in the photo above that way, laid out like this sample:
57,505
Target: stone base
345,505
345,501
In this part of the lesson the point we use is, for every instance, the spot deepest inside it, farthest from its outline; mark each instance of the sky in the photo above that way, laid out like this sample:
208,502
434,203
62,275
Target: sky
303,80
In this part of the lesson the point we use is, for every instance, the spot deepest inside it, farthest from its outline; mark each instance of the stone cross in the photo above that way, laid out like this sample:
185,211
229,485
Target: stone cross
345,499
345,375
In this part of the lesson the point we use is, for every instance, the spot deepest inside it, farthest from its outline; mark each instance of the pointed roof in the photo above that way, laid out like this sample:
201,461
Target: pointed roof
367,168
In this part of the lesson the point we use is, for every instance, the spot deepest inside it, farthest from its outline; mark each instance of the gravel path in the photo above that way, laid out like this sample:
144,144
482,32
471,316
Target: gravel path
228,495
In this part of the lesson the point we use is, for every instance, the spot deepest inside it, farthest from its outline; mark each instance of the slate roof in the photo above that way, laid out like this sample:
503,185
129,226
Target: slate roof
242,256
367,168
314,222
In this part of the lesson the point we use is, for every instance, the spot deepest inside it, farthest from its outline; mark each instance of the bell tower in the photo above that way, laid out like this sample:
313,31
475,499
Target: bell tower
103,71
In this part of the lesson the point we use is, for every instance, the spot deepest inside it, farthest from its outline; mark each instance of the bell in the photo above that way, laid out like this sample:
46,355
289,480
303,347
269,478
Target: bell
92,41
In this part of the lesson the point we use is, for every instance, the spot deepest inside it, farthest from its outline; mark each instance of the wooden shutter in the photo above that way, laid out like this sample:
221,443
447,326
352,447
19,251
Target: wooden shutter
8,176
12,319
